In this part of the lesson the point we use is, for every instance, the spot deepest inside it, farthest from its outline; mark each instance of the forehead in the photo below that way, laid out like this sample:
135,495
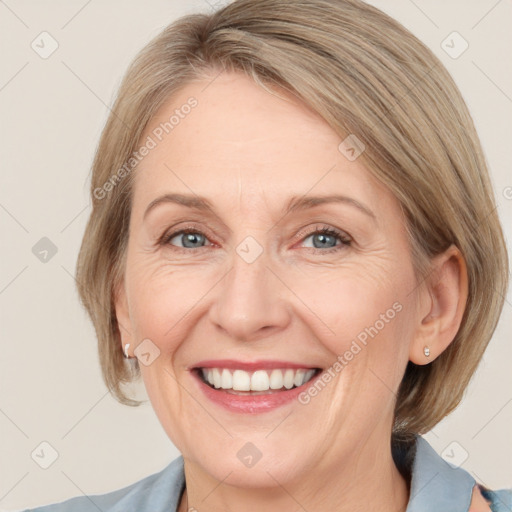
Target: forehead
228,138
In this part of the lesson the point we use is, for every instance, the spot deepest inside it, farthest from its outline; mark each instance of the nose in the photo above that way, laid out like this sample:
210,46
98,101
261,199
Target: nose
250,301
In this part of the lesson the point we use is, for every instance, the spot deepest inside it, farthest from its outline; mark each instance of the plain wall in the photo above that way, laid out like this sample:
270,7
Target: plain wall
52,113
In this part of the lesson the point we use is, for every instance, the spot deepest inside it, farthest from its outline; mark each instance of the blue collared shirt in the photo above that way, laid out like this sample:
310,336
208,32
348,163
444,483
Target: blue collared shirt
436,486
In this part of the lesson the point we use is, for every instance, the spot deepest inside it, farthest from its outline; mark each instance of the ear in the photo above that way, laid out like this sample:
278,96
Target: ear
122,314
442,304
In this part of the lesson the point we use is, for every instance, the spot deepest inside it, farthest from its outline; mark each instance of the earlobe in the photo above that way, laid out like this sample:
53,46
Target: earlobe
438,322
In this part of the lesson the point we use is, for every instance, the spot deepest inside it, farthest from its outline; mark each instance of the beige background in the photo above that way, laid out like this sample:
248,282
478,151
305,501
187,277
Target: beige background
52,112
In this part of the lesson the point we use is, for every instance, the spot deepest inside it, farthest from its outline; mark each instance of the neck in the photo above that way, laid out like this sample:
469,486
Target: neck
368,480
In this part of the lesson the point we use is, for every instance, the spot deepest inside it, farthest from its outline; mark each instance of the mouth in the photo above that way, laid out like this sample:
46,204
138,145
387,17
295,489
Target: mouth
257,382
254,387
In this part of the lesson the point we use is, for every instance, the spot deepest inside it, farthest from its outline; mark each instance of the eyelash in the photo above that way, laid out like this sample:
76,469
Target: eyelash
345,239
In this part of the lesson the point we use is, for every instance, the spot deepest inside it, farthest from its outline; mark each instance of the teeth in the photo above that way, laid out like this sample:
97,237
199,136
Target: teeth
226,381
309,375
288,379
276,379
241,380
260,380
216,378
299,377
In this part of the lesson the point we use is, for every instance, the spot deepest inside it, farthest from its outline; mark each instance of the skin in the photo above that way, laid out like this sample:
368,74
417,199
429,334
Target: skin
249,151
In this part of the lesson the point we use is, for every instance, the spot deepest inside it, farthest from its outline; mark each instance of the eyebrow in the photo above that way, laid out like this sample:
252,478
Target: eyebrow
305,202
190,201
296,203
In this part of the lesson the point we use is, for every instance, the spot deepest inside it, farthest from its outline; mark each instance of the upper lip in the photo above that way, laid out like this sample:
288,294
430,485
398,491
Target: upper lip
250,365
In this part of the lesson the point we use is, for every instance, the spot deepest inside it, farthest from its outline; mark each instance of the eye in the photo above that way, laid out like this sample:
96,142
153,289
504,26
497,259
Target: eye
326,239
189,238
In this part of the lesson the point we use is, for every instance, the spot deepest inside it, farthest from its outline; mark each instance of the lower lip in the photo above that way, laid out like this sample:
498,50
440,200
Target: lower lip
251,404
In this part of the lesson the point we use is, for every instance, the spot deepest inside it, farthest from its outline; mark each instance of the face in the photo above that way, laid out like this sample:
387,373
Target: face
240,273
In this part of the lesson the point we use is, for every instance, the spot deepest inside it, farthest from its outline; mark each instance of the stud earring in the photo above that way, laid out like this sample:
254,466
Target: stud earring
426,351
125,350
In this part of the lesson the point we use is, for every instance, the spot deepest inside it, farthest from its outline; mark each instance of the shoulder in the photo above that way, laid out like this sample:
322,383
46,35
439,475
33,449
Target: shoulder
497,500
439,485
158,492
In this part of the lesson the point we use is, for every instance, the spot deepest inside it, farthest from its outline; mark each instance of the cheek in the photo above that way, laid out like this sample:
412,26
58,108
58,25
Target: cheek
355,305
161,298
369,313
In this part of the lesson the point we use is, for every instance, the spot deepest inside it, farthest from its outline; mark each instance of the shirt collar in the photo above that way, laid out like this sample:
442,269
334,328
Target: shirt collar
436,484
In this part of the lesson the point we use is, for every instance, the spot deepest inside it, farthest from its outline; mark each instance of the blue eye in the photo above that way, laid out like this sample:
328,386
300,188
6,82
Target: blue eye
189,238
327,238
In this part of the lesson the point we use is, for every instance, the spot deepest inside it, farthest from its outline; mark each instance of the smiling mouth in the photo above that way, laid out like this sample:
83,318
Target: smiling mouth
241,382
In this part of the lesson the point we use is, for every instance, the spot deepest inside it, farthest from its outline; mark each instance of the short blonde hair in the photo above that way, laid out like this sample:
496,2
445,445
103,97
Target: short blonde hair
366,75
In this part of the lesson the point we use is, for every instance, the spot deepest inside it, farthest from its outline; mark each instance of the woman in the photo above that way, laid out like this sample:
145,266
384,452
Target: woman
290,243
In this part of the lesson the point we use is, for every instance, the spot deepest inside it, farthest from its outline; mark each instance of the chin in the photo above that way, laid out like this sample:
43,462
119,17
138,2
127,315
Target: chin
270,471
256,464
